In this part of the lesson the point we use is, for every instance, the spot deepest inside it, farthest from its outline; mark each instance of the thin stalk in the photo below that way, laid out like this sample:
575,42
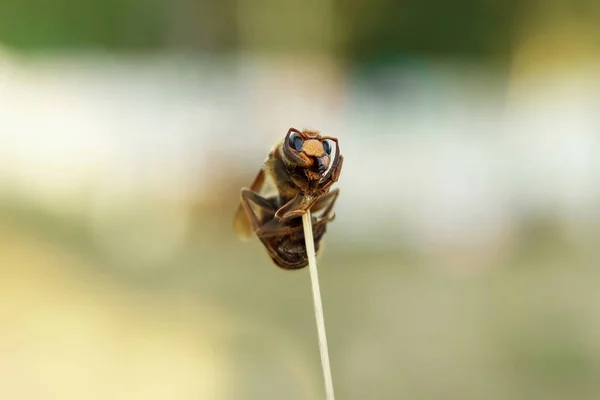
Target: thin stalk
314,278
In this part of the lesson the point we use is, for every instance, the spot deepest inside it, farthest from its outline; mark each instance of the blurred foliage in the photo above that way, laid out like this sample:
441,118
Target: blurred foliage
472,28
116,25
359,31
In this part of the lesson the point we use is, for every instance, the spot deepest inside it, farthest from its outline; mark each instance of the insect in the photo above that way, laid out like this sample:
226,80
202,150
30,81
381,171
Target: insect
296,176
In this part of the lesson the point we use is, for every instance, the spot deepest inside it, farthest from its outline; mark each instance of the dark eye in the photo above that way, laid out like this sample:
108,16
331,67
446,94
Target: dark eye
327,146
295,141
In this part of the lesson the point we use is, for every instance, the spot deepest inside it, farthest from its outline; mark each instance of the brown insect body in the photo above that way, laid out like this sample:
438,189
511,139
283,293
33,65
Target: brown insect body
288,249
296,177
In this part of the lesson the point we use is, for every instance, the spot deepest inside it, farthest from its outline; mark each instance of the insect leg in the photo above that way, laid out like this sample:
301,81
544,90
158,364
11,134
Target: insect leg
241,221
296,207
324,206
274,228
248,196
270,228
321,210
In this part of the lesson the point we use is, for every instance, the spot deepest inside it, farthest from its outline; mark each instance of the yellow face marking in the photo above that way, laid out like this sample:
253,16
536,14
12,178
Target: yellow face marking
313,148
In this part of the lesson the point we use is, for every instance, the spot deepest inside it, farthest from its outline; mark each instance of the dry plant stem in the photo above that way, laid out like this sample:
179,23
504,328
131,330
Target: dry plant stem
314,278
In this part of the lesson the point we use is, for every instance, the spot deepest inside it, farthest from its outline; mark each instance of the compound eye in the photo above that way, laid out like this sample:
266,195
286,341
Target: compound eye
295,141
327,146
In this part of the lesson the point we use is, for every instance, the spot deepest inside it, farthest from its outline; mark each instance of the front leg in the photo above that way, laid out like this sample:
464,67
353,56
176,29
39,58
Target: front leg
296,207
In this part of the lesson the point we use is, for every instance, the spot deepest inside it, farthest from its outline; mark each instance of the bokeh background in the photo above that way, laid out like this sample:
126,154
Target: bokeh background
463,262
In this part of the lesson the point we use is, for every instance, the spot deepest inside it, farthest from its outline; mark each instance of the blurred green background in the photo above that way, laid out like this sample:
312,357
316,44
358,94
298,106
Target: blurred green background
462,263
357,31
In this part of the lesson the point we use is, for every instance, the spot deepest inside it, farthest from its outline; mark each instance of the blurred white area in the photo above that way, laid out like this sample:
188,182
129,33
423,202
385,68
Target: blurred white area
441,154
